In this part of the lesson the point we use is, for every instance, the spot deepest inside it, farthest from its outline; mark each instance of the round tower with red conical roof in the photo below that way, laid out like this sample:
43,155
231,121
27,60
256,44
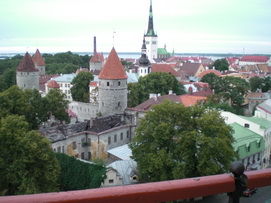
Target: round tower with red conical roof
112,86
27,75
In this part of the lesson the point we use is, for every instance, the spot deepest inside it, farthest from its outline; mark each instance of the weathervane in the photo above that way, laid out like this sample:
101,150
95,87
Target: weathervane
114,32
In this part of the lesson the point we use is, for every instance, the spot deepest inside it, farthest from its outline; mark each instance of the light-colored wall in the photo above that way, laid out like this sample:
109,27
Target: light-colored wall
112,179
84,111
151,48
27,80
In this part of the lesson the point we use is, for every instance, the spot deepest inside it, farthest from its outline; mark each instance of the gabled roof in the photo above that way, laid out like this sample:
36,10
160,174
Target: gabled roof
52,84
263,123
27,64
113,69
189,69
37,59
216,72
93,84
248,58
156,67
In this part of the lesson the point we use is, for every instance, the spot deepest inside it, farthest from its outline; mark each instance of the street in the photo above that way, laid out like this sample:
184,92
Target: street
262,196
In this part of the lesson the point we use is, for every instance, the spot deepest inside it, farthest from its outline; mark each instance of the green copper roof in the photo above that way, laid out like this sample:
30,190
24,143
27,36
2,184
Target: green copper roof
246,142
161,51
264,124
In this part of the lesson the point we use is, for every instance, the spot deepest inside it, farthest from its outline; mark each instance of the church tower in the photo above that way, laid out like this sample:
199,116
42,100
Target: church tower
27,75
39,62
112,86
144,63
97,60
151,38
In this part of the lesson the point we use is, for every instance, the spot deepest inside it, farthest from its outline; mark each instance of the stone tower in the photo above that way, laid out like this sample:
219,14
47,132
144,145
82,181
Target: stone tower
39,62
151,38
27,75
144,63
112,86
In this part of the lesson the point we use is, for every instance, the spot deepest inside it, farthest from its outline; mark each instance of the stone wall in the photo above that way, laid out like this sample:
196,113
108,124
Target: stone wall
84,111
27,80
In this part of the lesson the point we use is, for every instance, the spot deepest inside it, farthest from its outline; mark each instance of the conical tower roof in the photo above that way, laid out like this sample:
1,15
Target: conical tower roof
150,31
37,58
113,69
27,64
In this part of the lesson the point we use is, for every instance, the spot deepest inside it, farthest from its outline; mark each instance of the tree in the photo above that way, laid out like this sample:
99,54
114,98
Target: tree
255,83
80,88
214,81
9,76
173,141
266,85
132,95
37,113
56,105
221,64
27,163
157,82
77,175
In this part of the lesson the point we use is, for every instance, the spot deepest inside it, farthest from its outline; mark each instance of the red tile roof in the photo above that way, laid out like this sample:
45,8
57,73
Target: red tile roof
52,84
27,64
113,69
164,68
97,57
248,58
93,84
189,100
37,58
216,72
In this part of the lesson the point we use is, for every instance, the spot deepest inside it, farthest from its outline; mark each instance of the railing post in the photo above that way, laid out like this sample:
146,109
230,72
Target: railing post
237,169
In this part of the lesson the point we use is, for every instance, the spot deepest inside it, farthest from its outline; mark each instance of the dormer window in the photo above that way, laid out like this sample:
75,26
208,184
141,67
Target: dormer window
246,125
248,148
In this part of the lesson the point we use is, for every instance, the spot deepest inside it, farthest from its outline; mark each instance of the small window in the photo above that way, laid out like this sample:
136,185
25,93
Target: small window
246,125
109,140
111,180
248,148
82,142
74,146
259,144
82,155
107,84
115,138
121,136
58,149
119,83
65,85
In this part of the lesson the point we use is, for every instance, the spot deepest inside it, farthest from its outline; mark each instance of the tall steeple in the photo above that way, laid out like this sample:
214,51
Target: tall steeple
144,63
151,38
150,31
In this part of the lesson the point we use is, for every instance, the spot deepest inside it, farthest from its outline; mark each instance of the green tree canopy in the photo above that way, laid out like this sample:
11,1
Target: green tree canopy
221,64
27,163
80,88
77,175
255,83
173,141
57,105
213,80
156,82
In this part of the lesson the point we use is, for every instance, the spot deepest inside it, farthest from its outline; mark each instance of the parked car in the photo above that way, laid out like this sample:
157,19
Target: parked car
249,191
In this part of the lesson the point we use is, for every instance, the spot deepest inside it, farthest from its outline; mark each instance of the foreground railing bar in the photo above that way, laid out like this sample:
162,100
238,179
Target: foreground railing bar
151,192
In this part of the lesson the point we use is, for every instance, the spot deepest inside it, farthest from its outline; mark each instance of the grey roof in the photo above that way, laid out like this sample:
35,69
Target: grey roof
65,78
266,106
123,152
126,169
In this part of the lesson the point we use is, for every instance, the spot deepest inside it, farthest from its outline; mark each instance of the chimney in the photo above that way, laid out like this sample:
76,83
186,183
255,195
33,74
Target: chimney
152,95
94,44
170,92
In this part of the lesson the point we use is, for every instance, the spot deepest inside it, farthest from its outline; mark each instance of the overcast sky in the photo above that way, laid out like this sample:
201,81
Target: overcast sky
187,26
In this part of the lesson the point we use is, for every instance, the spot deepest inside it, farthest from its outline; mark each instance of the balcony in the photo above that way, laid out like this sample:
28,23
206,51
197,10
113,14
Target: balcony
153,192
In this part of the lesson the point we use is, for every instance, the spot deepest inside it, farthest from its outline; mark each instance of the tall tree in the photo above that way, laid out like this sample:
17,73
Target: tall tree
255,83
80,88
56,105
78,175
214,82
156,82
37,112
27,163
266,85
173,141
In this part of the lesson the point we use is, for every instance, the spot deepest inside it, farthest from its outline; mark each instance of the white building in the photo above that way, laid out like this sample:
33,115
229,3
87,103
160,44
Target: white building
257,125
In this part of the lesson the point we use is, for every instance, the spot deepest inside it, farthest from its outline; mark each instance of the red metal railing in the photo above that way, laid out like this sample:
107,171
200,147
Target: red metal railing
151,192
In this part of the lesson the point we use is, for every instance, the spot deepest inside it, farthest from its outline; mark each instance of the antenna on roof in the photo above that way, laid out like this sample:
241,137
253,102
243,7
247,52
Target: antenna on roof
114,32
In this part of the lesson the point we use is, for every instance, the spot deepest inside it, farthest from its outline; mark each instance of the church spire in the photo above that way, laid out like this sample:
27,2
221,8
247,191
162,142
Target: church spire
150,31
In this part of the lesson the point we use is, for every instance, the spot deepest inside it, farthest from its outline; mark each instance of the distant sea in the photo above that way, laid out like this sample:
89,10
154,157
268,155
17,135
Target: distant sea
136,55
